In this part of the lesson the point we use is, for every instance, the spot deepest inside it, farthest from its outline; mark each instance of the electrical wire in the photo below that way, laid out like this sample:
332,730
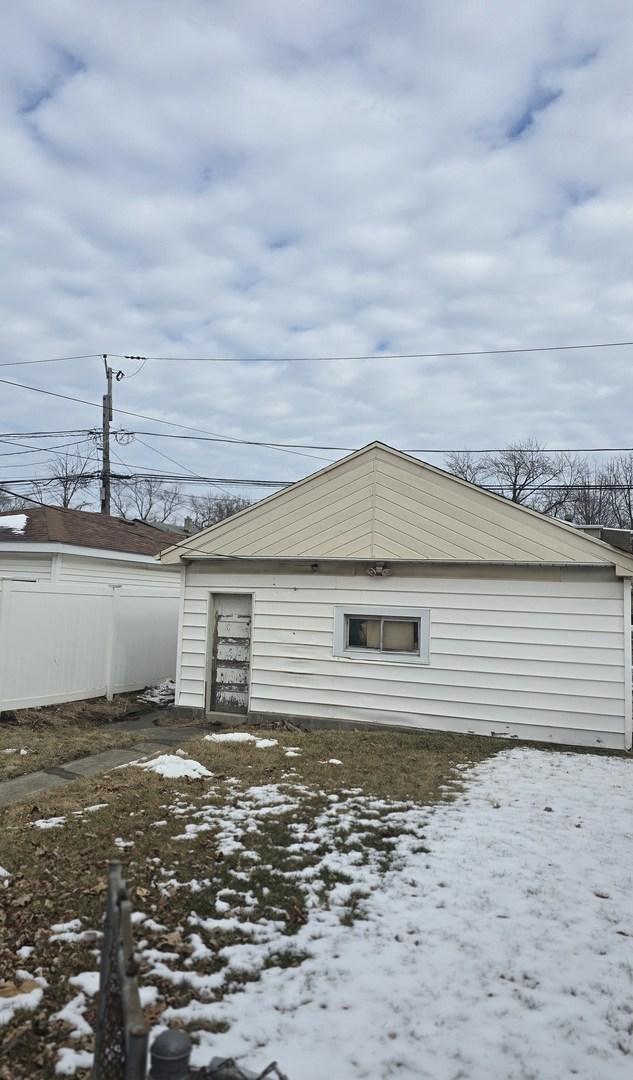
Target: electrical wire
376,356
322,358
26,498
315,446
141,416
178,463
424,450
50,360
40,449
245,482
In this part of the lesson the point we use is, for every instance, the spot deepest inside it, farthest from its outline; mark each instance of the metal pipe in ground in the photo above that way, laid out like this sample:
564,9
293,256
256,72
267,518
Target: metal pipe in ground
169,1056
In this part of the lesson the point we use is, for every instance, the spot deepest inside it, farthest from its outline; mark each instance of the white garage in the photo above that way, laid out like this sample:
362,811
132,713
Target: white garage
382,590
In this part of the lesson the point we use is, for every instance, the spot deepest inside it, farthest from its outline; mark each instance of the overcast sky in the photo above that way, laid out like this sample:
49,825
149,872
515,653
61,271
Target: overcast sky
311,177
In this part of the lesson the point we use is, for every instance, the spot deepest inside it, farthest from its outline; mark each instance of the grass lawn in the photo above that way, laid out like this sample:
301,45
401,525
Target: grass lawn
41,738
334,878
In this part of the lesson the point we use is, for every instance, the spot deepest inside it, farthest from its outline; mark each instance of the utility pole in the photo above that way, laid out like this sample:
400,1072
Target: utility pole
105,459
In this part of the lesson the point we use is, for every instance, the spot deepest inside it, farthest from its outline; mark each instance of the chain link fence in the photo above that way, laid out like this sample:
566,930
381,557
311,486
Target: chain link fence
121,1033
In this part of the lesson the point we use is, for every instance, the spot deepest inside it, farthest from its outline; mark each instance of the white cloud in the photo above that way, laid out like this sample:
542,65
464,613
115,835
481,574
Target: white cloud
288,179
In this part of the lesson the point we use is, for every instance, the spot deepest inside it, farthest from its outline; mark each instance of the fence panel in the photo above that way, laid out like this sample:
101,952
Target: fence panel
64,642
146,636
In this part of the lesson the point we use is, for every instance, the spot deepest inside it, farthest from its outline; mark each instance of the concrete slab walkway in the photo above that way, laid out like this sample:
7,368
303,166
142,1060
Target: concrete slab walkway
158,739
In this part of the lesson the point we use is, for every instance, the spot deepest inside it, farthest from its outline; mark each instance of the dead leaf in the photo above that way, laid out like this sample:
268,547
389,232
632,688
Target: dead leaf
174,939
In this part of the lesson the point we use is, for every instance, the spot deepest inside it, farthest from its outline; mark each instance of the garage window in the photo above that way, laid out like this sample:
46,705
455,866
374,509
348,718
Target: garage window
396,634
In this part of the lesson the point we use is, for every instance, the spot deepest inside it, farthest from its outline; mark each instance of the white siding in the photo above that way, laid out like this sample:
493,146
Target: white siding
80,569
527,657
25,566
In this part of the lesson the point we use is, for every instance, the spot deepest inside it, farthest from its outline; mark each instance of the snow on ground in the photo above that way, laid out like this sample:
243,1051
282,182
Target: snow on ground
174,767
504,950
70,1060
241,737
49,823
26,994
491,936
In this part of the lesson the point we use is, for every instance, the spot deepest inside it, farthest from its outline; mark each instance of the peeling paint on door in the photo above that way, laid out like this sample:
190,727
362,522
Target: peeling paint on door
231,652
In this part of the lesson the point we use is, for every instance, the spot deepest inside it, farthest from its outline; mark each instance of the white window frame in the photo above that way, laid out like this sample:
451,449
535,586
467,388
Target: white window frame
343,612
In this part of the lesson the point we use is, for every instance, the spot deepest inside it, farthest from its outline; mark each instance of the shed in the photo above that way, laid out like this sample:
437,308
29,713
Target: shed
50,543
86,608
383,590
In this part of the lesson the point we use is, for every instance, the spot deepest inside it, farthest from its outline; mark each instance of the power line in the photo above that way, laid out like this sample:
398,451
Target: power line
307,446
50,360
127,412
321,358
245,482
376,356
353,449
174,462
27,498
39,449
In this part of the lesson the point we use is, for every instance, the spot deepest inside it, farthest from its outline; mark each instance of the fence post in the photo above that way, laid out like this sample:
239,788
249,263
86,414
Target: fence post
5,598
169,1056
110,674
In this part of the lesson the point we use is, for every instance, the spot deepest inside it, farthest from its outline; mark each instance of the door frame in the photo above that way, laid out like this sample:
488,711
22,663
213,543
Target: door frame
209,661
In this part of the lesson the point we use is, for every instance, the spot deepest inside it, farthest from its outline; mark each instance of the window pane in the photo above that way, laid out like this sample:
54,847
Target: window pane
363,633
400,636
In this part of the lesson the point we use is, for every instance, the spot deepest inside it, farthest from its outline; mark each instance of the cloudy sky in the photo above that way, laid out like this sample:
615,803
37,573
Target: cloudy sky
301,178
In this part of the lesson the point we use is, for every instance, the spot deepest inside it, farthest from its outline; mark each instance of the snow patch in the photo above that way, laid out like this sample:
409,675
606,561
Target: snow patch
231,737
49,823
240,737
16,522
73,1015
175,768
87,981
12,1004
70,1060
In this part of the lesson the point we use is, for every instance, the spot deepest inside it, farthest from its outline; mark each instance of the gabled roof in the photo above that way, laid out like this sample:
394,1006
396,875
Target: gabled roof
379,503
54,525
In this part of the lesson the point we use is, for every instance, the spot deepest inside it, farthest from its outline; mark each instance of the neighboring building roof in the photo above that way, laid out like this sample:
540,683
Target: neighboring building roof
379,503
54,525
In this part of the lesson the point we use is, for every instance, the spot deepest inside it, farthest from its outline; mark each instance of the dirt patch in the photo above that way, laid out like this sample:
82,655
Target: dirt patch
88,712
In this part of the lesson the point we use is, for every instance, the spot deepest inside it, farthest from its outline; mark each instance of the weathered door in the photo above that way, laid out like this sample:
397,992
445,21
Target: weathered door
231,652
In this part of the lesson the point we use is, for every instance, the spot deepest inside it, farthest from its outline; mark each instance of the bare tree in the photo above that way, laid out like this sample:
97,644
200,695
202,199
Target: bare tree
619,475
71,476
147,499
208,509
521,470
468,466
525,473
12,502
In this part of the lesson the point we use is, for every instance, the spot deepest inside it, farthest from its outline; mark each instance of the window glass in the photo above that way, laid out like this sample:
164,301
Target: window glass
363,633
400,635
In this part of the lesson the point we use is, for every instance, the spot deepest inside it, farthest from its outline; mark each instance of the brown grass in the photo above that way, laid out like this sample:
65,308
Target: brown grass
57,734
59,874
50,747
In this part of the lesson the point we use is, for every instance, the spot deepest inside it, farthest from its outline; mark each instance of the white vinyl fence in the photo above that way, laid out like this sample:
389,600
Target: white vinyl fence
63,642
